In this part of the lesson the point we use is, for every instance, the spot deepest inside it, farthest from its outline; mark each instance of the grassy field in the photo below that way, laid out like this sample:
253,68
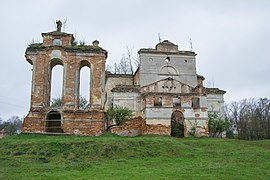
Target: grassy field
144,157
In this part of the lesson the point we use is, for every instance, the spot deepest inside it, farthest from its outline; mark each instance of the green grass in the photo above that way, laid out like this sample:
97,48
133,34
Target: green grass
145,157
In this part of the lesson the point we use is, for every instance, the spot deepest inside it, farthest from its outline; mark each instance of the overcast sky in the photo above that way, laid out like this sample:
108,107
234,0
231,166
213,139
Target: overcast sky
231,38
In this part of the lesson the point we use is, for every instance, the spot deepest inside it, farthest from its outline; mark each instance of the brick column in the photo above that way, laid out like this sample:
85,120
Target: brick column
70,83
98,67
40,90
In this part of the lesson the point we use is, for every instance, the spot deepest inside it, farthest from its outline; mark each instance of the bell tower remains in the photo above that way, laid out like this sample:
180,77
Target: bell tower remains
59,48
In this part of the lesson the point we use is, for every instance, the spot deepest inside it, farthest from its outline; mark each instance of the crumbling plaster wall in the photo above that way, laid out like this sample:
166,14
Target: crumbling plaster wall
113,80
162,114
130,100
216,103
138,126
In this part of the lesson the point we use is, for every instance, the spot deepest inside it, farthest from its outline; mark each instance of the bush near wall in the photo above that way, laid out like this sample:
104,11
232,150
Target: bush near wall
217,125
117,116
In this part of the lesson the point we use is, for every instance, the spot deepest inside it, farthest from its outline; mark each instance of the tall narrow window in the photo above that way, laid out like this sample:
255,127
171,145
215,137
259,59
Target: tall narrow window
84,87
56,86
195,103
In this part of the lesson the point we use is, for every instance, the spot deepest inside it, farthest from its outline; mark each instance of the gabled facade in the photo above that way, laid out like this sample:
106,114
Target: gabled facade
167,91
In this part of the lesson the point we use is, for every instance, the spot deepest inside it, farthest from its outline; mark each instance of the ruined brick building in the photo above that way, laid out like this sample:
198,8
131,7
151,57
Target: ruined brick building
165,91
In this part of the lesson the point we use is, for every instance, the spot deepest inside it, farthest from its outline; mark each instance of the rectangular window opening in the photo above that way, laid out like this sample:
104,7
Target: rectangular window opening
195,103
158,101
176,102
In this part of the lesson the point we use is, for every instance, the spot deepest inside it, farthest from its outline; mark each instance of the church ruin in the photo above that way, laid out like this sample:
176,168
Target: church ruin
165,92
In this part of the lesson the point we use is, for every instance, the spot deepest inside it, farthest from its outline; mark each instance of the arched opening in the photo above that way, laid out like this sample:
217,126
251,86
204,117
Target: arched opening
84,85
168,70
177,124
53,122
57,71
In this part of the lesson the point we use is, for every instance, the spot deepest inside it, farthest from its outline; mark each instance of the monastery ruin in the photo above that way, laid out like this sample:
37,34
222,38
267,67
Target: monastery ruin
165,94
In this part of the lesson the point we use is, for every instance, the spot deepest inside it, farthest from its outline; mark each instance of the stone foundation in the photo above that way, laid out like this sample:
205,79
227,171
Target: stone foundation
137,126
77,123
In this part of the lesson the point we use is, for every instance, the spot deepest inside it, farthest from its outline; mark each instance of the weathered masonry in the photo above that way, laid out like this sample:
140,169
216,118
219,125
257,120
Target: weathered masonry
166,94
58,48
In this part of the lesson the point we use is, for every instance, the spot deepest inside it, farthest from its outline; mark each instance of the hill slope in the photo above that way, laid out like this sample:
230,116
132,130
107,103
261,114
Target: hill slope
147,157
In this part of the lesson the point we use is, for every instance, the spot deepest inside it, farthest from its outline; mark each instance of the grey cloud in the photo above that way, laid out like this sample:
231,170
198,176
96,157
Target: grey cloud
231,39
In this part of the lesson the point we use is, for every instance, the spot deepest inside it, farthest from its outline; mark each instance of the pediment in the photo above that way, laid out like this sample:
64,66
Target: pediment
168,85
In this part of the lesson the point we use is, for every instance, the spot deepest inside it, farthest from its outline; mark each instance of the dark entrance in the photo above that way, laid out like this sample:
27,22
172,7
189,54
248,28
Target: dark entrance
177,124
53,122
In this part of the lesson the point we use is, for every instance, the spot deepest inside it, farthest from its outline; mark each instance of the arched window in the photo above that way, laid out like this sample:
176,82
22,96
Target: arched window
168,70
56,80
85,84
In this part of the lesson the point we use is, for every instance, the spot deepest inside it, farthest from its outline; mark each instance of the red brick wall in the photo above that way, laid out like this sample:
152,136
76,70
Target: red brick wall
80,123
138,126
74,121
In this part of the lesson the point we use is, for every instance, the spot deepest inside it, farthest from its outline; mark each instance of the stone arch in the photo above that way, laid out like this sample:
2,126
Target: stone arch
53,122
83,64
170,70
177,124
52,63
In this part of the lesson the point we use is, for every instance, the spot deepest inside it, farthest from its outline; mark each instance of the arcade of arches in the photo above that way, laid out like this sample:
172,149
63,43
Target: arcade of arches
44,57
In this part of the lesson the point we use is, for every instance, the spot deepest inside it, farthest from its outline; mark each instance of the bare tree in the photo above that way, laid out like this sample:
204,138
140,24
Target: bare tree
127,64
64,24
251,118
133,62
12,125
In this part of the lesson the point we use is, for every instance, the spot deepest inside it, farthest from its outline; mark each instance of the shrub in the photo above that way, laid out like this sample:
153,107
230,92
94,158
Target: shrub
193,130
217,125
119,115
56,102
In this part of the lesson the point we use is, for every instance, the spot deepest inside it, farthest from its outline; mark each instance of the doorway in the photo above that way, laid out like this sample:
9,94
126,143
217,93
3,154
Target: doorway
177,124
53,122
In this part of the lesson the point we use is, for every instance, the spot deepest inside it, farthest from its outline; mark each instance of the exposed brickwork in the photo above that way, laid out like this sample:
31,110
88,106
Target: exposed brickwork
165,84
44,57
138,126
157,129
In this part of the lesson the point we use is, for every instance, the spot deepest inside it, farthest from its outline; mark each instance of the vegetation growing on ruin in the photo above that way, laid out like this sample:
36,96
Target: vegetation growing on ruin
57,103
117,115
84,48
73,47
145,157
35,46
